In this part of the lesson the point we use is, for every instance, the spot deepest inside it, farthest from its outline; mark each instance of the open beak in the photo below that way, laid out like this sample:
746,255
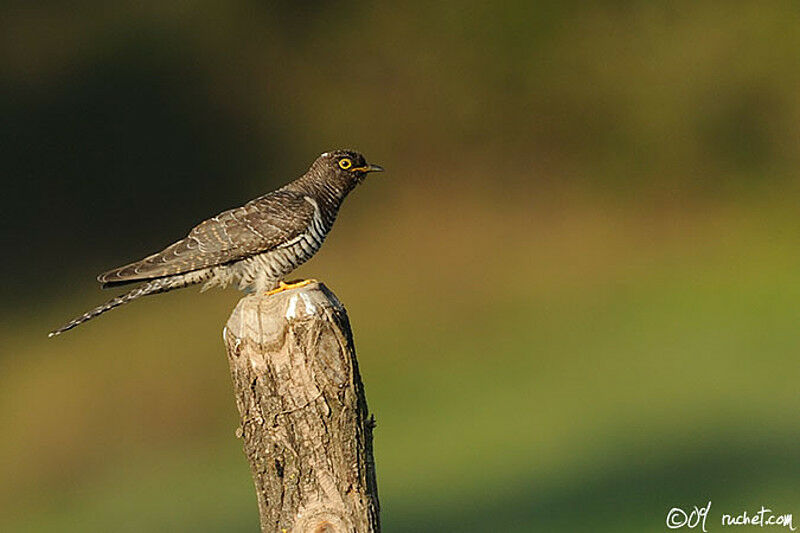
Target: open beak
369,168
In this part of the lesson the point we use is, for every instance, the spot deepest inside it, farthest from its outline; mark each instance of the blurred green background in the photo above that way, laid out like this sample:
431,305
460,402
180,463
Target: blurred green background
575,291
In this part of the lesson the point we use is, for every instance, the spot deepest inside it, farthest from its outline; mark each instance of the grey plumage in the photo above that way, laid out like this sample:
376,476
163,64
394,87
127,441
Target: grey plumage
253,246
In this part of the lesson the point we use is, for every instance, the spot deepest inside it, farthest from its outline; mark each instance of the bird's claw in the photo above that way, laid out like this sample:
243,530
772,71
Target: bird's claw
286,286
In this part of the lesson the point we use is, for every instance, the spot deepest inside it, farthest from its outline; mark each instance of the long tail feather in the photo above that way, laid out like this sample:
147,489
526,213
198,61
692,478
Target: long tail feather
151,287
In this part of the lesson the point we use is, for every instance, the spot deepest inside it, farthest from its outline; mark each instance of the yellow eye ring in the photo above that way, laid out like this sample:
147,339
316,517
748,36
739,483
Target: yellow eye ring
345,163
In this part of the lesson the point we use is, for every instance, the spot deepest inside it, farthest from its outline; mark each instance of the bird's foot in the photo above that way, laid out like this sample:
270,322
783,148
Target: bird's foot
286,286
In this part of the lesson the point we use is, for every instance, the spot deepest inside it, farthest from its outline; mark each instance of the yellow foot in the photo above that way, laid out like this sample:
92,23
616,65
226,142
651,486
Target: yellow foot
286,286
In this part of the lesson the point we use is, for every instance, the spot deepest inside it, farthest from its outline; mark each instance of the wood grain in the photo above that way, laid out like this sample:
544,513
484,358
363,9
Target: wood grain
304,420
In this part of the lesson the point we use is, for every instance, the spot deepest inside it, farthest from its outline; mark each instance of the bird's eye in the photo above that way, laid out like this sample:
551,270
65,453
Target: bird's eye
345,163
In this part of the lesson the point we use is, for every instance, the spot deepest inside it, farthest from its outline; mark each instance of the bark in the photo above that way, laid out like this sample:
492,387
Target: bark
304,419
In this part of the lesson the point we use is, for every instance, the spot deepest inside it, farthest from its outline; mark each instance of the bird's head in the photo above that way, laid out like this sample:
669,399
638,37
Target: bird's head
346,165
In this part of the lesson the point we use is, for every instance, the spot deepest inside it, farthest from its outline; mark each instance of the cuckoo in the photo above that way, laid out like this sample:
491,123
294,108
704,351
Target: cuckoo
253,246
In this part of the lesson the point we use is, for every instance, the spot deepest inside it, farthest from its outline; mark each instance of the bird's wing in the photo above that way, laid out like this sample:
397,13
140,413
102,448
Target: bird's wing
258,226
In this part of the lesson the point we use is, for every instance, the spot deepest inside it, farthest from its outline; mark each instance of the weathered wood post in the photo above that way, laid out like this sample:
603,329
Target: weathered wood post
304,420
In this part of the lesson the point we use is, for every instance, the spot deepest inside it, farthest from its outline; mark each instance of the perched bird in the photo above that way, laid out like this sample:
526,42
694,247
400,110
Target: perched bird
253,246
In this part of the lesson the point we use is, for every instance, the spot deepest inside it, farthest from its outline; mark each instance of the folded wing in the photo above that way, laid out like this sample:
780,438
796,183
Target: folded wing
256,227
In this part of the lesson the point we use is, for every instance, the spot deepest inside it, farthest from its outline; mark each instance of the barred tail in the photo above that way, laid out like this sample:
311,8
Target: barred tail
151,287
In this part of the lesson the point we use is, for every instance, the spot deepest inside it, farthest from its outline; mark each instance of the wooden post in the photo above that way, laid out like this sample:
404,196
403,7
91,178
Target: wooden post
305,426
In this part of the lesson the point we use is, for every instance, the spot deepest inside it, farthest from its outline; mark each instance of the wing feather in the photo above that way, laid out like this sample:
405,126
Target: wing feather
256,227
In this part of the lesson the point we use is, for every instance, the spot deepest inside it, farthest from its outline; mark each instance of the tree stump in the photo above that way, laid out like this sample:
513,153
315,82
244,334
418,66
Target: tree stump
304,419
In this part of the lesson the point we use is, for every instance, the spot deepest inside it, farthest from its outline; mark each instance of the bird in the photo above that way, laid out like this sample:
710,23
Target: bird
253,246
